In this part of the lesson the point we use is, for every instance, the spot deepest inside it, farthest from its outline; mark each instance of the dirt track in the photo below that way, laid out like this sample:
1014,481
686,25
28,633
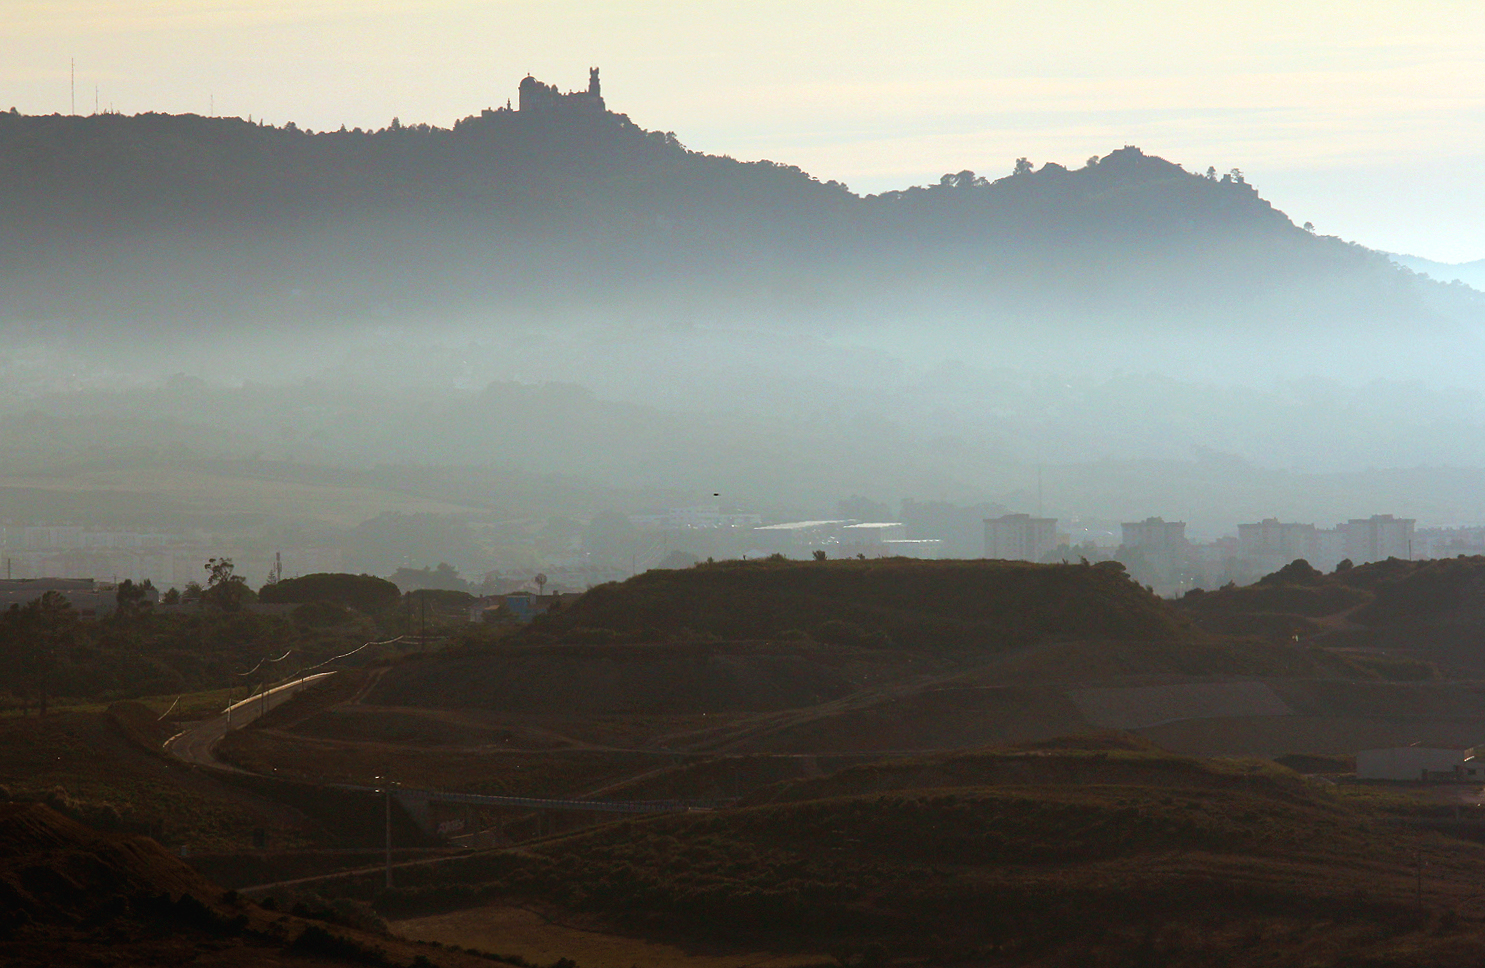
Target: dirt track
1139,707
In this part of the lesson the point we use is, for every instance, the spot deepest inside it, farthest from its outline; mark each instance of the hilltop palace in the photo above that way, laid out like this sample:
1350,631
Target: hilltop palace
539,98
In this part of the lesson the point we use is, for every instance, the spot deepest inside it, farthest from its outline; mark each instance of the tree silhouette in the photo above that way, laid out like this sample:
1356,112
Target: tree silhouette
224,588
132,601
42,631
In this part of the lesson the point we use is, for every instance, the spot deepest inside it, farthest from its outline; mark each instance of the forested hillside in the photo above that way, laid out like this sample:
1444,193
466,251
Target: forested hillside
159,217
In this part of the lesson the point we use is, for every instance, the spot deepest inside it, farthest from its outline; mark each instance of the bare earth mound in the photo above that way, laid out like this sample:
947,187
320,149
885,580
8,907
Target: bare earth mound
670,679
1104,852
73,896
932,605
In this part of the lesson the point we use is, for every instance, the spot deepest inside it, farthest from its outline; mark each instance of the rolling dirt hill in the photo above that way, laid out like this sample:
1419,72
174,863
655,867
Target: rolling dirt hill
762,636
929,605
1402,619
636,684
668,678
651,705
106,769
1100,758
70,895
87,869
1098,851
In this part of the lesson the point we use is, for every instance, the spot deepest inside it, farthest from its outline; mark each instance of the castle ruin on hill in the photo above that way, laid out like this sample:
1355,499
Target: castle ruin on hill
539,98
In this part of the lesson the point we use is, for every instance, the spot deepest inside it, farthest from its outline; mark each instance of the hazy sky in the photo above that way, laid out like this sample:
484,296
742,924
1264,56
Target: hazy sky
1365,117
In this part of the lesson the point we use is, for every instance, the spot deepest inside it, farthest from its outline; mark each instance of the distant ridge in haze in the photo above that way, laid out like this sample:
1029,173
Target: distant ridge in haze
1470,274
563,203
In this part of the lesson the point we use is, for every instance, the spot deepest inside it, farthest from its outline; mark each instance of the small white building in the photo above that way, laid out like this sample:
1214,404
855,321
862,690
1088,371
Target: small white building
1417,763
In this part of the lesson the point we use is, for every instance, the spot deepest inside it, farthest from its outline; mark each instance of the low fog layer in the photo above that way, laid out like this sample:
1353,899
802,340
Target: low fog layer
534,317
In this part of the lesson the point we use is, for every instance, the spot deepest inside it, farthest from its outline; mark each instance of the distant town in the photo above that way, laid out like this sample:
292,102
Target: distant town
1156,552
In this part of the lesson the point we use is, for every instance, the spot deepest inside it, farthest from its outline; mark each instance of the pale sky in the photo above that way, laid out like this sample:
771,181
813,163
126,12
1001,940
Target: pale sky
1365,117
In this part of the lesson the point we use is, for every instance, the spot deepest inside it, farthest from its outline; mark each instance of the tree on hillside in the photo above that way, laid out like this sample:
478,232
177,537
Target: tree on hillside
963,179
366,593
225,588
132,601
37,636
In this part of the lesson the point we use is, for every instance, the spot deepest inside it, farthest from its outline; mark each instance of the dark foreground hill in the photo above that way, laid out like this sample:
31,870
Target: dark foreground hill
1088,853
71,896
757,636
107,770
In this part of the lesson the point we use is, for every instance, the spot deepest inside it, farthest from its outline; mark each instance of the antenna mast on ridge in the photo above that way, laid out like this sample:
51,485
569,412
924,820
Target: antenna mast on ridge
72,80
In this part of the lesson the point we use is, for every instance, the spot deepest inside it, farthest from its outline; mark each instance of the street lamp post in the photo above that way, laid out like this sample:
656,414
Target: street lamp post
387,793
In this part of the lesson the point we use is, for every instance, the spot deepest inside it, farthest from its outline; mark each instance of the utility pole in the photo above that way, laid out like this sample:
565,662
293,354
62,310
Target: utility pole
388,791
72,80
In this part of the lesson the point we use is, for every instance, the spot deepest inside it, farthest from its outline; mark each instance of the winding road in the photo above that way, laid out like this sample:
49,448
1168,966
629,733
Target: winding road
196,745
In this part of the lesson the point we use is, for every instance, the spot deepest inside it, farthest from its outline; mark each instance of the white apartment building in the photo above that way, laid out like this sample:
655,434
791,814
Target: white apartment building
1020,537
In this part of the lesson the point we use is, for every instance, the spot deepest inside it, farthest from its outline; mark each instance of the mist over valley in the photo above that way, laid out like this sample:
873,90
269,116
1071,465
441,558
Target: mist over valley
529,539
555,292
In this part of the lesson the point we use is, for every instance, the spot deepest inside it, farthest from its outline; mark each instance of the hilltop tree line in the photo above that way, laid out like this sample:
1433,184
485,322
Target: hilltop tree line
49,650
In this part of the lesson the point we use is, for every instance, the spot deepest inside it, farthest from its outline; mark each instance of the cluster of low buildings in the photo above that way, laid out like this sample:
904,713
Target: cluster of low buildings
88,597
1159,552
1156,551
843,538
166,559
